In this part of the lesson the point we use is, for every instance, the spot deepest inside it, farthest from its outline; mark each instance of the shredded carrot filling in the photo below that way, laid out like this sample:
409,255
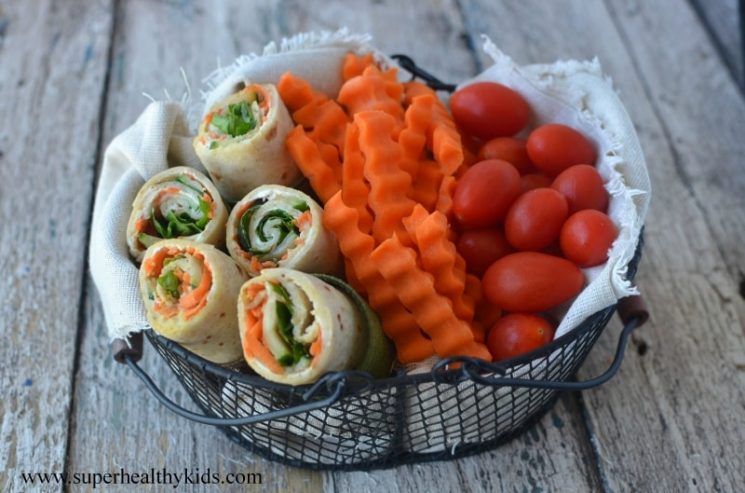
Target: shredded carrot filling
304,219
191,300
141,225
253,338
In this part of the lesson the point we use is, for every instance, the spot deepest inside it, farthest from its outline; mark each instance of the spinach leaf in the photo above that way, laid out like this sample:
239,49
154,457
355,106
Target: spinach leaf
237,120
298,350
285,226
244,233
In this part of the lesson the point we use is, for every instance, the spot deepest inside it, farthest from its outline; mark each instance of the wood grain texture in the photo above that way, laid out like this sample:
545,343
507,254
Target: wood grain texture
53,60
723,21
669,421
116,424
701,110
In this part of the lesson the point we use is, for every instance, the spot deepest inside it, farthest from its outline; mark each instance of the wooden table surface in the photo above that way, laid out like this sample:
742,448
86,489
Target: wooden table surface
72,75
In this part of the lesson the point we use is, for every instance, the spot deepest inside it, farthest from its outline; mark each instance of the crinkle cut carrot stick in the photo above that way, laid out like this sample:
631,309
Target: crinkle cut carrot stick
356,246
372,91
296,92
306,154
439,258
426,185
389,185
443,137
325,121
446,147
331,156
354,190
433,312
354,65
415,88
444,202
413,137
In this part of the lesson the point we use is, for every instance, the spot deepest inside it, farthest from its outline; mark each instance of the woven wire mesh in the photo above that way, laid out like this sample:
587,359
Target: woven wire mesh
403,419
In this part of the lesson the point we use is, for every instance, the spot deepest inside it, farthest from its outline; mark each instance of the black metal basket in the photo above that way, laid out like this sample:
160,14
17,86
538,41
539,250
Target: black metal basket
347,420
350,421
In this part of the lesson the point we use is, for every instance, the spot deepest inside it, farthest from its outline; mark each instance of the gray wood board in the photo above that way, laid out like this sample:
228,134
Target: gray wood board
723,19
112,407
53,60
669,421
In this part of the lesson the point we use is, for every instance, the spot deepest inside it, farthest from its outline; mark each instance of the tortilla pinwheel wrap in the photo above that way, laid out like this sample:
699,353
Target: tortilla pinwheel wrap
296,327
241,141
189,290
276,226
179,202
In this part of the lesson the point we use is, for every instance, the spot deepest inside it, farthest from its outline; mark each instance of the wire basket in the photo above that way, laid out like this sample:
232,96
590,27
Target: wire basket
349,421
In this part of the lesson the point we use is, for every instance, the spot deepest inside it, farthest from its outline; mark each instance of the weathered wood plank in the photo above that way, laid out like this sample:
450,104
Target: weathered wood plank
702,111
668,422
53,58
111,405
723,21
552,456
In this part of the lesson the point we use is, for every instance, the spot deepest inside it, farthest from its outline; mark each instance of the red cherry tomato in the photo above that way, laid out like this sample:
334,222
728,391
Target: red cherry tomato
553,148
518,334
586,237
482,247
583,188
532,181
529,282
486,110
508,149
487,314
535,219
485,192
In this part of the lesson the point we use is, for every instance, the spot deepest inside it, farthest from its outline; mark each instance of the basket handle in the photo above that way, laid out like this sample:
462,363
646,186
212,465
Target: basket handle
336,383
408,64
633,313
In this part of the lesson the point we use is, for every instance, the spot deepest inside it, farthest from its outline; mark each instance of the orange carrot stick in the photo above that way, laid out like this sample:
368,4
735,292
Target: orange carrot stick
439,258
389,184
426,185
305,152
373,91
354,65
355,190
433,312
356,246
445,197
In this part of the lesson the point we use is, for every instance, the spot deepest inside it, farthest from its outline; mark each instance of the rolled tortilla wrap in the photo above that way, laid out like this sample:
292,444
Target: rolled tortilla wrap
179,202
380,353
295,327
189,290
241,142
276,226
